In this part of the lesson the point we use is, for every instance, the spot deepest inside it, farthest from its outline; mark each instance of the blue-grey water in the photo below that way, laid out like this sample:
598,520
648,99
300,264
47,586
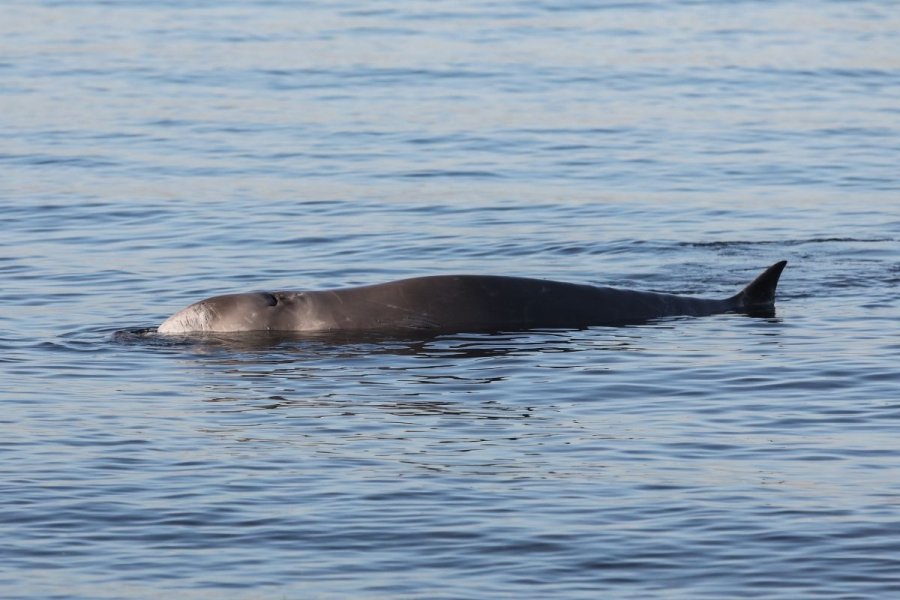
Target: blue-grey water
155,153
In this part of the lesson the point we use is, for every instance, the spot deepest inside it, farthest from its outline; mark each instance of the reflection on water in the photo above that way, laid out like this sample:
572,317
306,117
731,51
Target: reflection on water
263,345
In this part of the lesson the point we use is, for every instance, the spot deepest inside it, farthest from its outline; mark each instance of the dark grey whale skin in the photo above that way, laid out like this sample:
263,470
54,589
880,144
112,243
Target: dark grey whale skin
457,303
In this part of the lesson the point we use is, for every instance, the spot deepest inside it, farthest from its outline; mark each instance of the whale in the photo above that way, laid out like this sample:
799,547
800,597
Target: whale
458,304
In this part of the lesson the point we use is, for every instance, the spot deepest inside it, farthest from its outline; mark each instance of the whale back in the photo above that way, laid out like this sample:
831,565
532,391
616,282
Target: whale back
459,303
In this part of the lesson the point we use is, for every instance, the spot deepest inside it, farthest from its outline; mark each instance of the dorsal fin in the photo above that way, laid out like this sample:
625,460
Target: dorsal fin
760,294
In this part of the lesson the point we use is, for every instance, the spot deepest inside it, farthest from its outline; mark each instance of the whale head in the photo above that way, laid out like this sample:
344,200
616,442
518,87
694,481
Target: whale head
256,311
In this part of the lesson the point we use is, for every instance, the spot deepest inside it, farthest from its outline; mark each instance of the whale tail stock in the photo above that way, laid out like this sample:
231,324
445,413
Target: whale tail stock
759,296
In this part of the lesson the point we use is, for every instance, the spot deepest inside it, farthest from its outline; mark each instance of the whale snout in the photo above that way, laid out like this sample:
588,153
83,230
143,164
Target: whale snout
196,317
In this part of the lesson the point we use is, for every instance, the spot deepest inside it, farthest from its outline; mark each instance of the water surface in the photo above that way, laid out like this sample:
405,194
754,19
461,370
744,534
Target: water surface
156,154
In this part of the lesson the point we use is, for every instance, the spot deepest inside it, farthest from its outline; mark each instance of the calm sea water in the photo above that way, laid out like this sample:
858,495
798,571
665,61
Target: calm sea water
156,153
